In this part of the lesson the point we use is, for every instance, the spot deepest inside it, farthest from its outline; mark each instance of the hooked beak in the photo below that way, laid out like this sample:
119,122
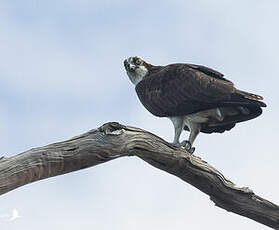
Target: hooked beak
128,66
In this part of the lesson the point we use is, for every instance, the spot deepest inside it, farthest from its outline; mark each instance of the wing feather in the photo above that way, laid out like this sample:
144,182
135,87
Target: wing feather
180,89
210,72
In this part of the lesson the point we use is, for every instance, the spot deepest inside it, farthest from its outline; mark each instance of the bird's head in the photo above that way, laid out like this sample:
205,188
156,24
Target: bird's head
136,69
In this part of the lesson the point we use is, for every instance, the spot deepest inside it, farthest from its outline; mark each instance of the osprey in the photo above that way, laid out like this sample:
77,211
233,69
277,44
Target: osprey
194,97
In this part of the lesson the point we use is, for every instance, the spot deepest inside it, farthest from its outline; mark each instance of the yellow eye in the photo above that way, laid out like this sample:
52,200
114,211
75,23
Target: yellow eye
137,61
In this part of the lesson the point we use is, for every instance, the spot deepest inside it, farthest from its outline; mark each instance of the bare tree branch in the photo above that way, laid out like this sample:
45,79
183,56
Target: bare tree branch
113,140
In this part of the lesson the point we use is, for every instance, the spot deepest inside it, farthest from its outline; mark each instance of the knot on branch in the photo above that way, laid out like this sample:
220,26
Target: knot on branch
2,158
112,128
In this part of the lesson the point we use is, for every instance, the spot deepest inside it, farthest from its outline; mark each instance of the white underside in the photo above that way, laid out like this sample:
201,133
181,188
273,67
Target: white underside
204,116
197,118
193,122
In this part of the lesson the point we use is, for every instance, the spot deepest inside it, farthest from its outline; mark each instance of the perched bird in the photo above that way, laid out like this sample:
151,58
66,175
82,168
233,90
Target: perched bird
194,97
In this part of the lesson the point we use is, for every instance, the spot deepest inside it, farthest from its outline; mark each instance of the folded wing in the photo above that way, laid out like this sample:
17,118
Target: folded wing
183,89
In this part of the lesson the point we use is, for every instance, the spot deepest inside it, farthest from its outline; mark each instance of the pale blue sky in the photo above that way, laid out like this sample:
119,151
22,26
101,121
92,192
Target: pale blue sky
61,68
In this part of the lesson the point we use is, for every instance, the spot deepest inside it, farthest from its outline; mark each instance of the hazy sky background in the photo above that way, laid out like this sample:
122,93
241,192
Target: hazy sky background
61,68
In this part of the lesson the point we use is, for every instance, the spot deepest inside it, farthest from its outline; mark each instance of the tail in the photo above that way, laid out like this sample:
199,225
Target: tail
250,96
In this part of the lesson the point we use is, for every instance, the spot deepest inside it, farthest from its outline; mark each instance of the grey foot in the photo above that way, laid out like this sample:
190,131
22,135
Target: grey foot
188,146
178,145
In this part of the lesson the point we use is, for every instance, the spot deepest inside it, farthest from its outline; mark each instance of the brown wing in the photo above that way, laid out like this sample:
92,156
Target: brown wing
210,72
180,89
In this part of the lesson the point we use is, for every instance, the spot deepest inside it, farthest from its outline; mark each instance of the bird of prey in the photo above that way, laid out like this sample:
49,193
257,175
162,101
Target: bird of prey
194,97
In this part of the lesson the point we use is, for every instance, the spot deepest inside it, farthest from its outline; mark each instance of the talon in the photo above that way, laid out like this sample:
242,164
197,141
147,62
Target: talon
179,145
192,150
188,146
183,144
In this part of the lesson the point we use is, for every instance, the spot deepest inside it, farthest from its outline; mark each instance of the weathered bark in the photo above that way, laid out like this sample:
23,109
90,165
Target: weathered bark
114,140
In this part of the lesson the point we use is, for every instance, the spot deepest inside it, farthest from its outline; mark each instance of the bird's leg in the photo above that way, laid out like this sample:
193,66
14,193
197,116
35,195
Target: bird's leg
194,131
178,127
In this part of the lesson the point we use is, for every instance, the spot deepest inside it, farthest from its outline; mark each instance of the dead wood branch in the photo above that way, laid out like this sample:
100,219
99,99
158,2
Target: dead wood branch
113,140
